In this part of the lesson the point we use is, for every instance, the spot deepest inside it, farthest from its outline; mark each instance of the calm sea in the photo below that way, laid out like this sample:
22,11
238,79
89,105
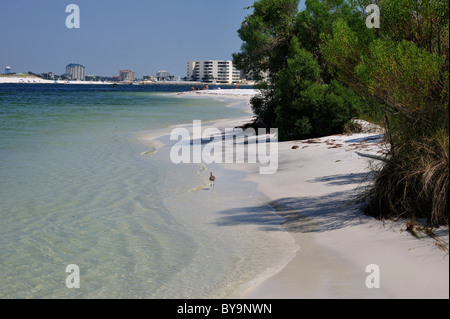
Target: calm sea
80,184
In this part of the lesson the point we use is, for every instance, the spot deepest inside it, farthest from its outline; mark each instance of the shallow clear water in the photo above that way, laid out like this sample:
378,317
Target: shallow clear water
78,185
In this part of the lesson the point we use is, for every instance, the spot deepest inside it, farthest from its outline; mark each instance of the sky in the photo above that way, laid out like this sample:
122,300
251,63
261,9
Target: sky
141,35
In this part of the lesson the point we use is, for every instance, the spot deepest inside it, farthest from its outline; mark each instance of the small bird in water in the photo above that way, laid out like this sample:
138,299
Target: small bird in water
212,179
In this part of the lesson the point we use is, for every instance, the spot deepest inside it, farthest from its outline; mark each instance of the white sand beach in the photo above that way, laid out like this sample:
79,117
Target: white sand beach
230,93
27,79
314,190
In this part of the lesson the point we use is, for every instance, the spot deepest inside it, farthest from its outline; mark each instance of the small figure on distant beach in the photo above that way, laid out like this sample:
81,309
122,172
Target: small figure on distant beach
212,179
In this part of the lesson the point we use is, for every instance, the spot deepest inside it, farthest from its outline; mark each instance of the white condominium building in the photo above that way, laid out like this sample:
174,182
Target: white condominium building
76,71
213,71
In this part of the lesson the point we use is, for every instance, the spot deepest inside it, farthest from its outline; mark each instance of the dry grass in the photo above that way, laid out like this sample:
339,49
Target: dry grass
413,181
419,231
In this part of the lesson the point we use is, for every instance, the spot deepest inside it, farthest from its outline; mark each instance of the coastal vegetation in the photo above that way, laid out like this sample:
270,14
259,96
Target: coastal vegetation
322,66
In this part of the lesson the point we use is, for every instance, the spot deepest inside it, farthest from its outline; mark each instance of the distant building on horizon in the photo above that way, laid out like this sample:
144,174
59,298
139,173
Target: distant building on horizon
76,72
151,78
213,71
127,75
7,70
48,75
163,75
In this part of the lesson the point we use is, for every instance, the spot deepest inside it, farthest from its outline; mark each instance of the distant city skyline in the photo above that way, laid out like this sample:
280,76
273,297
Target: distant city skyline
143,36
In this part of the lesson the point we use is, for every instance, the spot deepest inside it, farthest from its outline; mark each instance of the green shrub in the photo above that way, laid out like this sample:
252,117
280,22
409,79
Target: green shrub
307,107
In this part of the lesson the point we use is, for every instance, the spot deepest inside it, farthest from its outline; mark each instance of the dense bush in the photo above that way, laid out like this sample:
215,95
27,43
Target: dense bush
301,99
307,107
403,68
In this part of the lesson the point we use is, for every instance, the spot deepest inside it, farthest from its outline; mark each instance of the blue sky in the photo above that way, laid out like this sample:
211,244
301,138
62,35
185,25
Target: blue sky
142,35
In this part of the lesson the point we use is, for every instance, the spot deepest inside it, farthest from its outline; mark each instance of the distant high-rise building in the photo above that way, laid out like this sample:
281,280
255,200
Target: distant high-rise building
76,72
127,76
7,70
213,71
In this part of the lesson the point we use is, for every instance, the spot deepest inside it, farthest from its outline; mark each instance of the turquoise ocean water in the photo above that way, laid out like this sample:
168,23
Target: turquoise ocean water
79,185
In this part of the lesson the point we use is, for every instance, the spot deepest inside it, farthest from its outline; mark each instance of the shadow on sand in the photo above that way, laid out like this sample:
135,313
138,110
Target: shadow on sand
304,214
344,179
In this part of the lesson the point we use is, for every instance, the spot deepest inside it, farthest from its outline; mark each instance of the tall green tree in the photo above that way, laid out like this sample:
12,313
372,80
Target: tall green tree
307,106
280,41
266,36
